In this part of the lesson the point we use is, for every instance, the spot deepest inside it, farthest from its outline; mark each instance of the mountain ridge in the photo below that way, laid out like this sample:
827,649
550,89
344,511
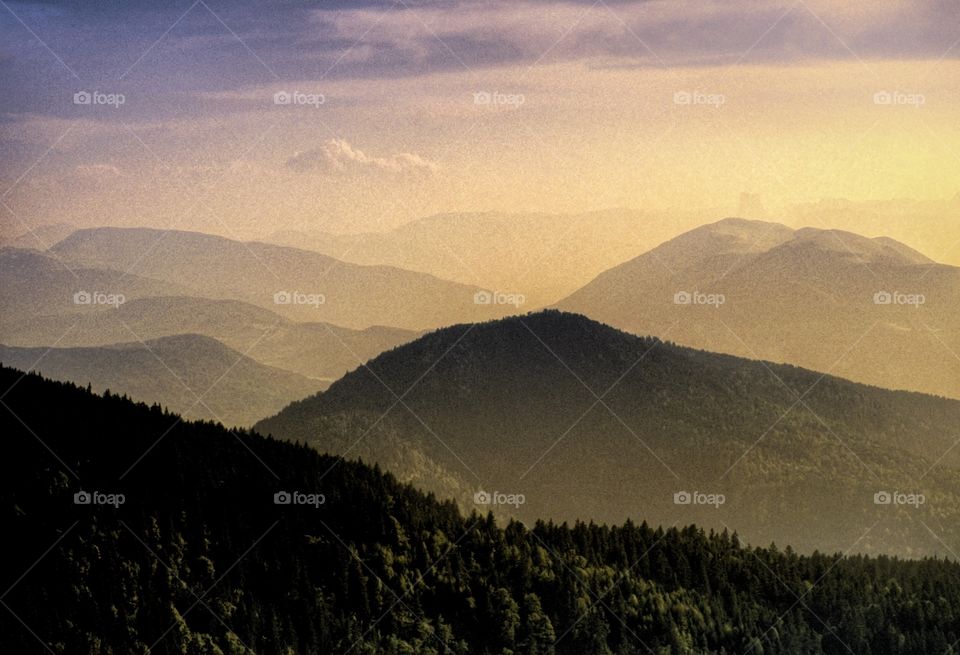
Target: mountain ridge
548,402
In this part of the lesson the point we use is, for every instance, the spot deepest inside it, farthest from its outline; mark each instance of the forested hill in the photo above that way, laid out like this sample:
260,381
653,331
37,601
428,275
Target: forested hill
199,559
591,423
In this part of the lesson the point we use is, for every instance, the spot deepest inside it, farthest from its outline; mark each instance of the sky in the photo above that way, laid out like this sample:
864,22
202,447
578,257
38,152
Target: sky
243,118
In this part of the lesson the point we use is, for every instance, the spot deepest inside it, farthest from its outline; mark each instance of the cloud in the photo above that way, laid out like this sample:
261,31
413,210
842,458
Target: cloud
339,156
659,32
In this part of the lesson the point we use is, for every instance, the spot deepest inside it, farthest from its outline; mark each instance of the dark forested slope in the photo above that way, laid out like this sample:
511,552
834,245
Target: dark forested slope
199,559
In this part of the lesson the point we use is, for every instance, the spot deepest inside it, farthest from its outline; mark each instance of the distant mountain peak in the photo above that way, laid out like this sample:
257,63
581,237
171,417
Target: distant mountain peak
729,236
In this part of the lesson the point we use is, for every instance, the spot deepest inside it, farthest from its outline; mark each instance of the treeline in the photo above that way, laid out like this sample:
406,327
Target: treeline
199,559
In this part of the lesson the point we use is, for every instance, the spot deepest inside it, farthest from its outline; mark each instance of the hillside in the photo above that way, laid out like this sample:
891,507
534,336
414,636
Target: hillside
512,406
189,374
870,310
297,284
198,558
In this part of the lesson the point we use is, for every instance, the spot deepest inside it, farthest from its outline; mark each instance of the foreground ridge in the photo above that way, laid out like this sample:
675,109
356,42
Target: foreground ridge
218,541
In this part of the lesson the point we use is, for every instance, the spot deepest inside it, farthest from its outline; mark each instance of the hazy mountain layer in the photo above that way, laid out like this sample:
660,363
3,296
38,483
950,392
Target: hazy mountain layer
541,256
871,310
37,284
316,350
190,374
299,285
589,422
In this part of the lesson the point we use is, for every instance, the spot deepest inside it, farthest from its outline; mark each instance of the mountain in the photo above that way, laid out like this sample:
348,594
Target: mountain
543,257
321,351
190,374
297,284
868,309
587,422
183,548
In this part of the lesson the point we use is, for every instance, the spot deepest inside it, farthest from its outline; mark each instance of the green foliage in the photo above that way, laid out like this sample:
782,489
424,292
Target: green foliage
200,560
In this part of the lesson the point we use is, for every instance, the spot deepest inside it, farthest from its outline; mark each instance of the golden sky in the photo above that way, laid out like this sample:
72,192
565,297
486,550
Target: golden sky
830,113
